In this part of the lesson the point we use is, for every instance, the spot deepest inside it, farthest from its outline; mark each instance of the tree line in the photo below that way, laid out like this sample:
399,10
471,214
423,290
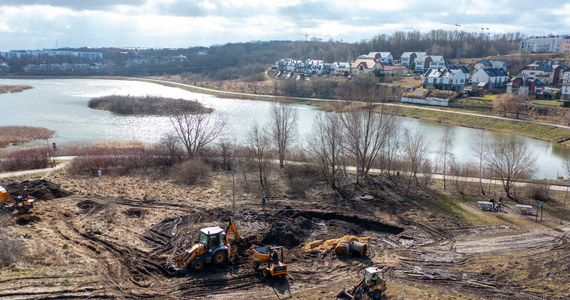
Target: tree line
237,60
347,144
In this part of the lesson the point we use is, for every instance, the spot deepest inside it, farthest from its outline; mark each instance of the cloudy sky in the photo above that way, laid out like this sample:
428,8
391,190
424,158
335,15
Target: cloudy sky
39,24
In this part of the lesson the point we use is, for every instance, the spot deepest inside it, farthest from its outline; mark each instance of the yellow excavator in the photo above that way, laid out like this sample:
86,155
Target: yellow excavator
23,203
371,286
214,247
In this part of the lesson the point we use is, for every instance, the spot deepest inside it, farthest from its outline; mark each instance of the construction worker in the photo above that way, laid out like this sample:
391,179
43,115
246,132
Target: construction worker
274,257
374,280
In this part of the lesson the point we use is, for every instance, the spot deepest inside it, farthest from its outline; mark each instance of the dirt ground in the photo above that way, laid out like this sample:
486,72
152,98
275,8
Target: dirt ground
111,238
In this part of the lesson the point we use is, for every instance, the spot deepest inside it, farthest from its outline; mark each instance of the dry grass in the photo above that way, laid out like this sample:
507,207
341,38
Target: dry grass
15,135
13,88
320,245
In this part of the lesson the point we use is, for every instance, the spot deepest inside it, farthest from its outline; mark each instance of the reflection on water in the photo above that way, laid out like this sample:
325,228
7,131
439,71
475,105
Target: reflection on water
61,105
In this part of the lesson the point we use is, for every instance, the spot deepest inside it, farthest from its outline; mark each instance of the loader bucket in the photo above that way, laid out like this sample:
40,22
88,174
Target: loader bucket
344,296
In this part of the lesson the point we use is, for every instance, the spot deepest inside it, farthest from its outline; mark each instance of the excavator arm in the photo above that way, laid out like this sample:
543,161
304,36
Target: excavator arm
184,259
231,227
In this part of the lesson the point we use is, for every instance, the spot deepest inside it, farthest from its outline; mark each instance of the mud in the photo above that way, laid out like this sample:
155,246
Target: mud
27,219
38,189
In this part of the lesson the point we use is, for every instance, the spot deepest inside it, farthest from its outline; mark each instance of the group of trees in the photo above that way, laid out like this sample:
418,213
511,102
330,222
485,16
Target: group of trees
353,139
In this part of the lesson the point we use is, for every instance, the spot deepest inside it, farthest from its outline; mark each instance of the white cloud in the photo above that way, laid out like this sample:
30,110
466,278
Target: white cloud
173,23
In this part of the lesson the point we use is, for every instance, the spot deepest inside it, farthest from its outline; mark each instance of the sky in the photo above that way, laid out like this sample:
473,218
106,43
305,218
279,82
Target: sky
45,24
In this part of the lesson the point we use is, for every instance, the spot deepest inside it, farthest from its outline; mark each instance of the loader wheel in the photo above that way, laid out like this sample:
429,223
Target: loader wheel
22,210
376,294
220,257
256,266
266,273
197,265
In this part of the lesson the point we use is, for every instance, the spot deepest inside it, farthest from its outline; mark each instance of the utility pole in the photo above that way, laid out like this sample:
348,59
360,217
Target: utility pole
564,205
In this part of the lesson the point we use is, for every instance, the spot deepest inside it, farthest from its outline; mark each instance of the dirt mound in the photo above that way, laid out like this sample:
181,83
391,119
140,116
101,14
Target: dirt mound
89,206
27,219
38,189
134,212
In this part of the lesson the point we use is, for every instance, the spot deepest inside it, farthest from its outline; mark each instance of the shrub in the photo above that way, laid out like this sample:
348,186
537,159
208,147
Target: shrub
539,191
26,159
193,171
119,162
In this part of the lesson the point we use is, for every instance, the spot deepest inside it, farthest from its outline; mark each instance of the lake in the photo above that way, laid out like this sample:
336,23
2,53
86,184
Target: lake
61,105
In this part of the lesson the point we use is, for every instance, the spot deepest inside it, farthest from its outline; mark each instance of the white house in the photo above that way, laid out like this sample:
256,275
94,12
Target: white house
409,58
490,78
446,79
384,57
423,63
490,64
340,68
565,93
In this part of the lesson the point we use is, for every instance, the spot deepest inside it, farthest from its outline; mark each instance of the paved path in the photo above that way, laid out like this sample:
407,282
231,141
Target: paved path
342,100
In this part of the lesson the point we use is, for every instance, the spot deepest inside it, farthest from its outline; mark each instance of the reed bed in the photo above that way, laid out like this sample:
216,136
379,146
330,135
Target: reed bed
4,89
15,135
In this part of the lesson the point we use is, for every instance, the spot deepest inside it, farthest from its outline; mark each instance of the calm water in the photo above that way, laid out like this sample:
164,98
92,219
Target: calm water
61,105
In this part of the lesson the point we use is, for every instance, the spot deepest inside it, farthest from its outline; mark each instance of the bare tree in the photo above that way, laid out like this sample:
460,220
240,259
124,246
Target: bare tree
366,133
169,144
510,103
196,130
512,160
415,155
445,154
480,147
257,148
283,127
326,146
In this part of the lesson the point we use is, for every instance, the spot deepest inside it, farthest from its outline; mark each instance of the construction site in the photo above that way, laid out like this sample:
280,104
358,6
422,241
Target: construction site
133,237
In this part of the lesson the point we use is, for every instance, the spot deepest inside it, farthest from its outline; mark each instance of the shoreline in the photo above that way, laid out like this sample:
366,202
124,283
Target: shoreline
553,133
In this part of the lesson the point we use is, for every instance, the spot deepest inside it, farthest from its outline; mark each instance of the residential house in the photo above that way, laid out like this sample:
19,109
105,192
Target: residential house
565,93
384,57
424,63
490,64
408,58
525,86
366,66
490,78
394,71
340,68
548,72
446,79
314,67
566,76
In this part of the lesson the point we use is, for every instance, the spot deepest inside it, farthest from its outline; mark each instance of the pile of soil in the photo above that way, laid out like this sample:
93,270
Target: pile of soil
37,189
27,219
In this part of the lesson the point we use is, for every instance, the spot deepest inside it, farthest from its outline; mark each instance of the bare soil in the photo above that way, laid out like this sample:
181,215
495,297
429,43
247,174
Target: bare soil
112,238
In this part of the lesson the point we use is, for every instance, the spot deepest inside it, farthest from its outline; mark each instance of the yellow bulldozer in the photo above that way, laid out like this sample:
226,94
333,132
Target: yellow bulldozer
23,203
371,286
213,247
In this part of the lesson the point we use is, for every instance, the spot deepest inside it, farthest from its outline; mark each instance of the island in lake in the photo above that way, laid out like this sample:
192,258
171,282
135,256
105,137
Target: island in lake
147,105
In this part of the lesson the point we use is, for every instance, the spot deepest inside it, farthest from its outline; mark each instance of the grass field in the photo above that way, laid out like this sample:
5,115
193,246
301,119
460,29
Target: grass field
538,131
